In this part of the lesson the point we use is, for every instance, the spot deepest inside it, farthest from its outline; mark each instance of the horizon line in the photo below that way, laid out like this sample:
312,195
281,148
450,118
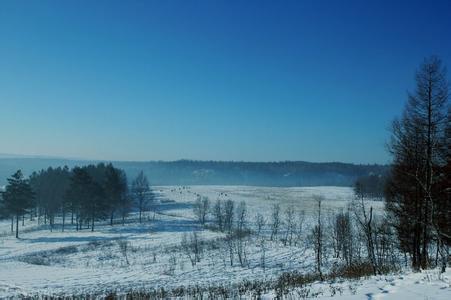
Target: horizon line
75,159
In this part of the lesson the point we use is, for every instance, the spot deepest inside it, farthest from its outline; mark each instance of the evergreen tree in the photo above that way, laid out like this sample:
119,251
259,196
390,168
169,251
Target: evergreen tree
115,187
18,197
79,194
50,187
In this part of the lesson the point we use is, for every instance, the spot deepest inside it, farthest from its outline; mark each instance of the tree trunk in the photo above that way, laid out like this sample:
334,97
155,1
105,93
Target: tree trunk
92,221
64,218
17,226
370,242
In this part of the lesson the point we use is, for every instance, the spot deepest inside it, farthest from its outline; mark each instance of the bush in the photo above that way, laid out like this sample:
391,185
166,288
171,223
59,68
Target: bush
355,271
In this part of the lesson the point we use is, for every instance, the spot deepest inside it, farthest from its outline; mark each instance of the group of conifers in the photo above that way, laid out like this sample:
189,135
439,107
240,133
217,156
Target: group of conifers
83,194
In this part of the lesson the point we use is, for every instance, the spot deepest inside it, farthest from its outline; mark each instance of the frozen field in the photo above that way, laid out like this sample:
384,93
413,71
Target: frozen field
85,262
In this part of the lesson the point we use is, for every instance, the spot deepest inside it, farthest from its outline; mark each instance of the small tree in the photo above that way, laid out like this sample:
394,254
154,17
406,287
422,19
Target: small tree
228,215
218,215
260,222
290,224
300,226
140,188
192,247
275,218
343,239
364,218
317,234
123,248
201,207
241,217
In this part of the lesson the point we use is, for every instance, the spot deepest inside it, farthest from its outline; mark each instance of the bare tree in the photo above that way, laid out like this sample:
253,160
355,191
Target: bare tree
192,247
241,217
317,235
230,245
299,226
290,224
241,234
275,218
201,207
123,248
228,215
140,190
342,236
218,214
418,147
263,254
364,218
241,243
260,222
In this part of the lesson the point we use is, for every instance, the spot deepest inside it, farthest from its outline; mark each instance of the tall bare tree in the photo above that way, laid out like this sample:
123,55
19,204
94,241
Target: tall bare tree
317,234
418,148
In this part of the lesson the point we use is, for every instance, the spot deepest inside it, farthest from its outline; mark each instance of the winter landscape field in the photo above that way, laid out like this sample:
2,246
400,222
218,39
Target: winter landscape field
225,149
76,263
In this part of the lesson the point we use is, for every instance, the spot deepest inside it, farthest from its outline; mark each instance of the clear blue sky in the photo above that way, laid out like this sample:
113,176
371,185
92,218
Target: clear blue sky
221,80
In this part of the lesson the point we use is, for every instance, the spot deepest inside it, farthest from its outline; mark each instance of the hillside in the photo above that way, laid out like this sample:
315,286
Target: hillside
188,172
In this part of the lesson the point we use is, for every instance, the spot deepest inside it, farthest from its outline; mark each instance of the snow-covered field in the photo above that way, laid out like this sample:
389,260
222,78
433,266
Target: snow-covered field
85,262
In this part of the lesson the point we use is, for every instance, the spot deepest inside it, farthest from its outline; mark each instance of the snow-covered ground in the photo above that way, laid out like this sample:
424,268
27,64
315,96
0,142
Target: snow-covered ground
430,285
85,262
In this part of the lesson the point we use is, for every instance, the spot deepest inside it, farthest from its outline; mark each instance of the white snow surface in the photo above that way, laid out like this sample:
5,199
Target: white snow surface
83,262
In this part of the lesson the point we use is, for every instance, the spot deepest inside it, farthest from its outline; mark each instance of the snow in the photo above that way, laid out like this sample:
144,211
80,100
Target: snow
84,262
429,285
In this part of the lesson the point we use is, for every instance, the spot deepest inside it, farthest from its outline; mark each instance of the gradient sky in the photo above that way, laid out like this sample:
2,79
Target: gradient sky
220,80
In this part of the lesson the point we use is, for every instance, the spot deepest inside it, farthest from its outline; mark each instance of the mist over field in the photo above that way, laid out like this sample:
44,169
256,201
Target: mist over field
186,172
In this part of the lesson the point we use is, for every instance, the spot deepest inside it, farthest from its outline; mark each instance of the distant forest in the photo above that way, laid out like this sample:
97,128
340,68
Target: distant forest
189,172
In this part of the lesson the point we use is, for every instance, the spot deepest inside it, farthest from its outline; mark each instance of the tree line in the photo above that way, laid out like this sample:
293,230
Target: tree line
83,195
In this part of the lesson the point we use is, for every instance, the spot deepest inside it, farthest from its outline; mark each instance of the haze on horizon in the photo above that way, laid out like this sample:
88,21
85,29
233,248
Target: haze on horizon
211,80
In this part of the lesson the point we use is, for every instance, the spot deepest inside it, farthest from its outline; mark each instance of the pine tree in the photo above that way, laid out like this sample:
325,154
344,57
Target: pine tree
18,197
115,187
50,187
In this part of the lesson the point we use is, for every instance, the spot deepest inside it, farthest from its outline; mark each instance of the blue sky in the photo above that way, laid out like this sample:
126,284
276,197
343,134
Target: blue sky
220,80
